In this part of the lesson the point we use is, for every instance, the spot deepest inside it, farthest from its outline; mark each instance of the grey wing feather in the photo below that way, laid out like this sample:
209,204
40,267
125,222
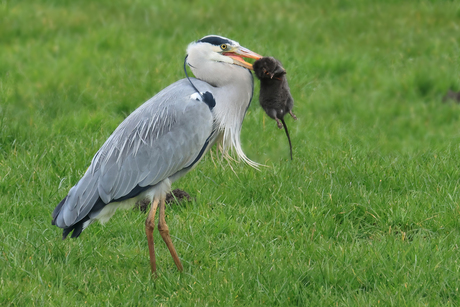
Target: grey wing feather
159,139
85,191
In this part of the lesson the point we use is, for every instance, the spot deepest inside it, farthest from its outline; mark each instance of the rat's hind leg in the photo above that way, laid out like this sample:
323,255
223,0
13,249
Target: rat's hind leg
293,115
280,125
272,113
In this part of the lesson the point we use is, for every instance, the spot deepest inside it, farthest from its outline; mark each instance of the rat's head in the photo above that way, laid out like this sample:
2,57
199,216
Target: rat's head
268,67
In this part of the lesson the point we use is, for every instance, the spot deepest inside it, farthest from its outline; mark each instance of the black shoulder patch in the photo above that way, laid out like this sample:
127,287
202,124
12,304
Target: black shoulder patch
214,40
209,100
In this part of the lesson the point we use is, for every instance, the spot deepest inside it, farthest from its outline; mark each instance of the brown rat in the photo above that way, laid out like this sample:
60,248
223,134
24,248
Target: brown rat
275,96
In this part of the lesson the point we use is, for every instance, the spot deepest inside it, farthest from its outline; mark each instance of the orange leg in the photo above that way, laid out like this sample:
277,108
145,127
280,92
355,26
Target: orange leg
149,227
164,232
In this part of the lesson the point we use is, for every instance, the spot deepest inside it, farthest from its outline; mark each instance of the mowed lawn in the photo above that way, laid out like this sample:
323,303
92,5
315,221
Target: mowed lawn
366,214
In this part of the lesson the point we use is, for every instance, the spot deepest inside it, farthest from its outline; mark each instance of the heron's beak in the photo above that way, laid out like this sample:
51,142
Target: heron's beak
239,53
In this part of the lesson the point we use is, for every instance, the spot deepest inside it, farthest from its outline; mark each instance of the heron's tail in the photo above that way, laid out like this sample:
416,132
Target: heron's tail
57,210
78,227
72,213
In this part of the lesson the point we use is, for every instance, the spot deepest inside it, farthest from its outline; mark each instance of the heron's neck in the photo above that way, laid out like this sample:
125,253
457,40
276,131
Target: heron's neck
233,90
233,100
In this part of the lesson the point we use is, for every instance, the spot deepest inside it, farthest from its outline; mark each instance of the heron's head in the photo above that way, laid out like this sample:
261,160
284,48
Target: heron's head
216,48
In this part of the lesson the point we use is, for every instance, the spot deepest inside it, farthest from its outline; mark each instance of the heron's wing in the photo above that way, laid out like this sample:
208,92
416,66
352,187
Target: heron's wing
162,137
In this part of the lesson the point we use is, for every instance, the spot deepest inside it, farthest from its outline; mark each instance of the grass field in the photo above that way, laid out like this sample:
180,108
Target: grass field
366,214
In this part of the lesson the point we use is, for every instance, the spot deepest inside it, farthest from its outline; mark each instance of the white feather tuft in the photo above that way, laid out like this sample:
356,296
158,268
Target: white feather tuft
233,89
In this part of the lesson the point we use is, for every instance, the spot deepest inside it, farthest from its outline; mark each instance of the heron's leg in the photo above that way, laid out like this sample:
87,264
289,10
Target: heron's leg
164,232
149,226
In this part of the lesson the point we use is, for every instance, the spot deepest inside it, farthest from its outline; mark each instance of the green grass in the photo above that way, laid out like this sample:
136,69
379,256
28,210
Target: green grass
366,214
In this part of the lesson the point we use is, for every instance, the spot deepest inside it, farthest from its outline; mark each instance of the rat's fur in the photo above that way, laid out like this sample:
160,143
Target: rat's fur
275,96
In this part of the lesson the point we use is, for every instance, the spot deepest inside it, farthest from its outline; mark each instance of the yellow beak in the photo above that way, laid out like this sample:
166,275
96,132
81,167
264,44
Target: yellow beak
239,53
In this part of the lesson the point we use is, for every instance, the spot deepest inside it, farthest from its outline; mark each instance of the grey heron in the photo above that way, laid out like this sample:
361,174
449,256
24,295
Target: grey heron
164,139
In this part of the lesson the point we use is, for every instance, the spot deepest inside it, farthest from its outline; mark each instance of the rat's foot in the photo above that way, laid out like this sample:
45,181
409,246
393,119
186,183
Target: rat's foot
280,125
293,115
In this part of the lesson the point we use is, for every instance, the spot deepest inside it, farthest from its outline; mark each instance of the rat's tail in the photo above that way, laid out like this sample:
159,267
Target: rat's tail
287,134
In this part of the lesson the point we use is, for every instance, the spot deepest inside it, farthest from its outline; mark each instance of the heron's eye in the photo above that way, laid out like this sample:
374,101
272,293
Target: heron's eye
223,46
